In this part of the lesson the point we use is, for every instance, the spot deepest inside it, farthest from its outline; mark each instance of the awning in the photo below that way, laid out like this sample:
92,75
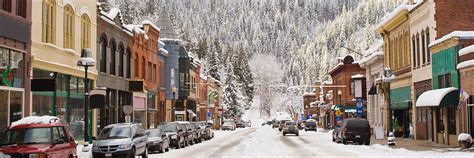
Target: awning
191,113
439,97
373,90
400,98
350,109
336,107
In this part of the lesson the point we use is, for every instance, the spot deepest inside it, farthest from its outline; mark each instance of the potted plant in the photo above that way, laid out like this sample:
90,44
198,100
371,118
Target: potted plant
465,140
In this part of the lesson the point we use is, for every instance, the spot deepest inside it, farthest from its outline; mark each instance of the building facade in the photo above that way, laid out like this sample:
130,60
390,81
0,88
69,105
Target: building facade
194,99
395,32
466,71
162,56
70,26
15,61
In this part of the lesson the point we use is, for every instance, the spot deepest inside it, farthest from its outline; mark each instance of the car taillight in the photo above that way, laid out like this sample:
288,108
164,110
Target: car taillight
38,155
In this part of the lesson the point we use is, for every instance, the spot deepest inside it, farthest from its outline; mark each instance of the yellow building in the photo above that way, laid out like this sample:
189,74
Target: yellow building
395,31
60,30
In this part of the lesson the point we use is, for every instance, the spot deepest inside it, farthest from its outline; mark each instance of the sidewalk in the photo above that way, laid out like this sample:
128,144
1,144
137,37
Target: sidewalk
419,145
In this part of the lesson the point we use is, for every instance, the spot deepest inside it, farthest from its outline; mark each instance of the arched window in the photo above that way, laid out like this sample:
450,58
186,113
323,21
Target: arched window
85,31
423,48
418,50
49,21
121,54
68,27
113,48
136,64
143,67
428,53
129,60
413,45
103,53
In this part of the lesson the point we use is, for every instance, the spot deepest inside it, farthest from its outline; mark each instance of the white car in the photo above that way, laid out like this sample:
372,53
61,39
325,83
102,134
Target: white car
229,124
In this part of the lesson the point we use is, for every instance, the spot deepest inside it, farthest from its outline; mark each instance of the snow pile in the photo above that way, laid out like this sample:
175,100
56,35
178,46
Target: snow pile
466,50
84,152
458,34
464,137
34,120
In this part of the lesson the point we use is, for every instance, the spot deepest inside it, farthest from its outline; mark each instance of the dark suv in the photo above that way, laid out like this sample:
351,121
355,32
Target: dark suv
176,134
38,136
188,132
121,140
353,130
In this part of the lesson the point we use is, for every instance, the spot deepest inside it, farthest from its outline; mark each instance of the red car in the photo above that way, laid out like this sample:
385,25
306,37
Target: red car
39,137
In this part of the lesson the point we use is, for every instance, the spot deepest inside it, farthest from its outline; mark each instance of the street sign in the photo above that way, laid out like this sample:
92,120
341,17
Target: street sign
338,113
127,109
209,114
359,107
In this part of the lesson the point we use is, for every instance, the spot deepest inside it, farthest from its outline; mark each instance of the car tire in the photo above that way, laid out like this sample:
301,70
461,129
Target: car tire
284,134
344,141
297,134
145,153
132,153
367,143
333,140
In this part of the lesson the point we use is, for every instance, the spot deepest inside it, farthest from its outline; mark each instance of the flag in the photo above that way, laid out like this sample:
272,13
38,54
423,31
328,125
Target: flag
463,96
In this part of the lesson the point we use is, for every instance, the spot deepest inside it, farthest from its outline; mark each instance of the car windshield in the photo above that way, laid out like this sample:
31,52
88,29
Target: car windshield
154,133
115,132
227,123
27,136
169,128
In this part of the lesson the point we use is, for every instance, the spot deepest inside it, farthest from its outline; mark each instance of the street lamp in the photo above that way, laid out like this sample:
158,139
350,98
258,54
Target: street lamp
384,81
173,90
86,61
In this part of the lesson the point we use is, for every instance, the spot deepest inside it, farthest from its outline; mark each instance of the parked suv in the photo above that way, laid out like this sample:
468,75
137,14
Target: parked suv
196,132
229,124
175,133
354,130
157,140
206,132
311,125
188,132
38,136
290,127
121,140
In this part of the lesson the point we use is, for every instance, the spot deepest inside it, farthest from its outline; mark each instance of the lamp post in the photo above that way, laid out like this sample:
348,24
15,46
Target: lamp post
173,90
86,61
384,82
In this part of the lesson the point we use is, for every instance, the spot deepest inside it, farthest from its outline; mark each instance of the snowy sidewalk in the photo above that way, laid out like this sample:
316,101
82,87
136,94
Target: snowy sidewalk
419,145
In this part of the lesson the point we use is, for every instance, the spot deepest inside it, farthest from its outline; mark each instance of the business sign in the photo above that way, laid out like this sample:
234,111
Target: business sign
359,107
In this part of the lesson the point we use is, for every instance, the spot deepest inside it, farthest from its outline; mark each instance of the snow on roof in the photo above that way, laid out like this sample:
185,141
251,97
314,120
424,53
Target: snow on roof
113,13
465,64
137,29
335,67
358,76
147,22
466,50
369,58
33,120
387,18
309,94
433,97
458,34
171,40
161,43
204,77
164,51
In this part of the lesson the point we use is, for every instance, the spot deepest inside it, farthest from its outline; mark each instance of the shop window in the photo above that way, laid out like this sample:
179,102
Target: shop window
428,53
6,5
103,53
129,60
3,110
16,104
452,120
11,68
41,104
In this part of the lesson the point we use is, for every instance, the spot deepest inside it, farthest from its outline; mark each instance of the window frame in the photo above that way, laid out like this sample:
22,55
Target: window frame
85,31
69,19
48,33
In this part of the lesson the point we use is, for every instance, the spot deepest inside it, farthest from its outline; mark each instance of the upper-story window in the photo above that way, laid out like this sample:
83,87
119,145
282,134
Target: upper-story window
68,27
150,72
21,6
352,87
85,31
103,53
423,48
143,68
121,54
136,64
129,60
113,48
49,21
6,5
428,53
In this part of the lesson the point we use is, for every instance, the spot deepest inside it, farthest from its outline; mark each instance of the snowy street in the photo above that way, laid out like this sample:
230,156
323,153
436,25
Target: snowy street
268,142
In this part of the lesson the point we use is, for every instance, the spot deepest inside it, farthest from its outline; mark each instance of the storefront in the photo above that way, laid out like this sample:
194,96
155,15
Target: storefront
139,109
152,111
400,104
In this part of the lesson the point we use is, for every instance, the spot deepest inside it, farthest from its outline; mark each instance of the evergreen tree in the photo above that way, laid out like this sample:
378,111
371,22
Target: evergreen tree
230,102
213,64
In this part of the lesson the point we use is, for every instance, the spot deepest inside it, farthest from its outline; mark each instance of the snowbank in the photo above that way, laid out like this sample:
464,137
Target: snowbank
458,34
466,50
2,155
34,120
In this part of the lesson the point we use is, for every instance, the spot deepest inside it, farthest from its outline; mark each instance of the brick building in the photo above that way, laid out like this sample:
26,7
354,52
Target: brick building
466,71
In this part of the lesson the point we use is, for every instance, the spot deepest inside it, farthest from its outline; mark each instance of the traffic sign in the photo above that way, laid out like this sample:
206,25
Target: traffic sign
209,114
338,113
127,109
359,107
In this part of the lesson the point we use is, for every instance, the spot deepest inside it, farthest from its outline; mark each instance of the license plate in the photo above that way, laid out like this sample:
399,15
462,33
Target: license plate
108,155
357,136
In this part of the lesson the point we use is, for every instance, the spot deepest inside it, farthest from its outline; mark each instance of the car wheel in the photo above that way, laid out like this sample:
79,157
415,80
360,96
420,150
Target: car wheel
297,134
344,141
284,134
367,143
333,140
145,153
132,153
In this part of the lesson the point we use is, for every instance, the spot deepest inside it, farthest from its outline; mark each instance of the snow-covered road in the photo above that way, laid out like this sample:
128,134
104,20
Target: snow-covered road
268,142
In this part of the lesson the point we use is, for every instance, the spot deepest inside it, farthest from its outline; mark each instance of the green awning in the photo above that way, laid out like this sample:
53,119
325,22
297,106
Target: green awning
400,98
350,109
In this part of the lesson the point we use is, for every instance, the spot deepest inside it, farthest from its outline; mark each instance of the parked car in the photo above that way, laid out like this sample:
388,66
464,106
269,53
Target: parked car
197,132
121,140
158,141
175,133
275,124
290,127
353,130
282,123
300,124
240,124
248,123
229,124
188,132
206,132
311,125
38,136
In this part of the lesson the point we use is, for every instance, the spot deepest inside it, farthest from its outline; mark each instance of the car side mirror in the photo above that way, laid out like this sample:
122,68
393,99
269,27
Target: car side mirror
94,138
59,141
163,136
